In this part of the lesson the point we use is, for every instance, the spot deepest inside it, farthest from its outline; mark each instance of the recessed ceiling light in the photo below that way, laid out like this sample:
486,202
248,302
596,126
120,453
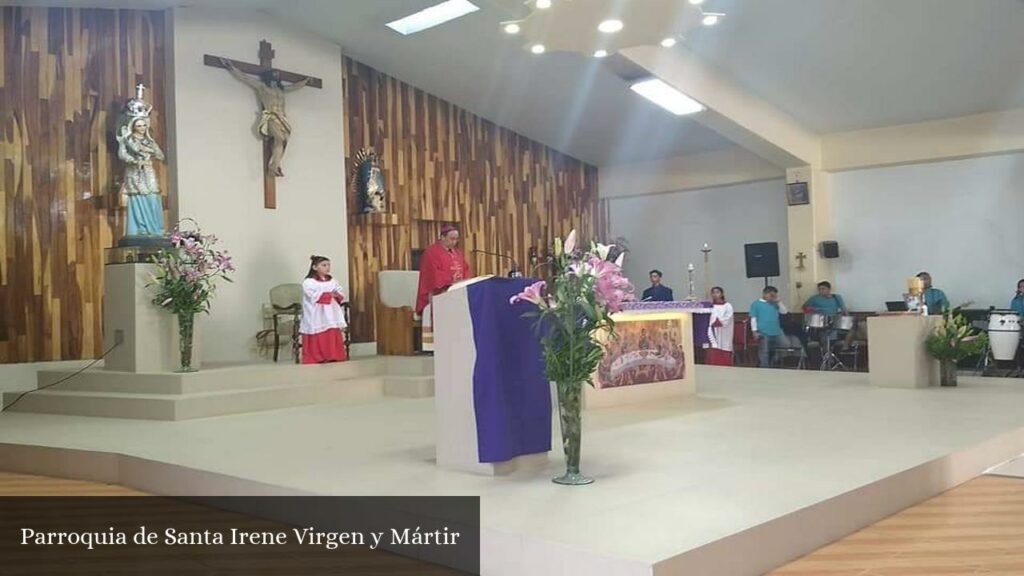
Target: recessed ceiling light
696,2
710,20
512,28
600,53
543,4
432,16
610,26
668,42
537,48
667,97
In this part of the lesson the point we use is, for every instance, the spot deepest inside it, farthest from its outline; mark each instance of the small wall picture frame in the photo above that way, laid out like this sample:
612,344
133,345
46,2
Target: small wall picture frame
797,194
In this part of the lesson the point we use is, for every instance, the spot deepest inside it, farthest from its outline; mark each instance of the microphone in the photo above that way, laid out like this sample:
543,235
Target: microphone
514,273
548,262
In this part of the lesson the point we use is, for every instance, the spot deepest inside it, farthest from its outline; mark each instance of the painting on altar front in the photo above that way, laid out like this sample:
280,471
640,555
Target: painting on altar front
645,351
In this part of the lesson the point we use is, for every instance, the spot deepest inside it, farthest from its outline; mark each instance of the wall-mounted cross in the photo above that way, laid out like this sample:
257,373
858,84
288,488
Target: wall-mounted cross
274,125
800,257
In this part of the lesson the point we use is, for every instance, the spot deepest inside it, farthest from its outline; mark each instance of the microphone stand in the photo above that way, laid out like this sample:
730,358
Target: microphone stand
514,273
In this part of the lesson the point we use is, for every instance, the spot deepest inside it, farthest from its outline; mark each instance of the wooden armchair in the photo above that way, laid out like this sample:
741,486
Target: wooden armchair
286,303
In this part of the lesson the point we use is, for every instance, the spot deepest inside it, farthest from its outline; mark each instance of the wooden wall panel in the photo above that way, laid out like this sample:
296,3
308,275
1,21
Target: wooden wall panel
443,164
64,75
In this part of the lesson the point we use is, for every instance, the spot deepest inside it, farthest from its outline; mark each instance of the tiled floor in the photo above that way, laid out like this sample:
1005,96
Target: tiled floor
974,529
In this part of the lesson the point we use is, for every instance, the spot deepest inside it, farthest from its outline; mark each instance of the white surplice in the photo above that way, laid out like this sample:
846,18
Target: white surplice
721,336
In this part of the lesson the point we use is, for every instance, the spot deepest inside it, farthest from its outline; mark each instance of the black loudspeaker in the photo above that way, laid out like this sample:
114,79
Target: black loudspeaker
762,259
830,249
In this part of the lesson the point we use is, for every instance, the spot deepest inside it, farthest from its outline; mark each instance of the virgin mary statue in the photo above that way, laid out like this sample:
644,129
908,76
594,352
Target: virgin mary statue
140,190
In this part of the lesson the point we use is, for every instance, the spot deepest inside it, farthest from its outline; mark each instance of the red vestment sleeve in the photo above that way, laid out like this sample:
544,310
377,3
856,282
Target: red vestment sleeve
426,284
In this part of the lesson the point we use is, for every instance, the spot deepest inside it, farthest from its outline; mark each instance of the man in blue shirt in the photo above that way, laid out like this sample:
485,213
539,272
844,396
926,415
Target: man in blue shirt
766,324
657,292
1017,304
825,302
828,304
934,298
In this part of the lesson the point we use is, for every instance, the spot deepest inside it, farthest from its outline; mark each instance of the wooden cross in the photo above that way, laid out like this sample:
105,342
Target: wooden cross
800,257
266,56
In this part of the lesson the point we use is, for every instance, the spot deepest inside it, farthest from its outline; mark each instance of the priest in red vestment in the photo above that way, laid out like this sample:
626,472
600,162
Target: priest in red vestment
440,266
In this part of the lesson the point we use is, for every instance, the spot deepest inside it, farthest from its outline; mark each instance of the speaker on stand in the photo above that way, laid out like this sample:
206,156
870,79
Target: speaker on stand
762,260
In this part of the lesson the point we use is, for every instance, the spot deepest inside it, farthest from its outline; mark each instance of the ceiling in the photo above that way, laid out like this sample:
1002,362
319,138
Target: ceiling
837,65
568,101
833,65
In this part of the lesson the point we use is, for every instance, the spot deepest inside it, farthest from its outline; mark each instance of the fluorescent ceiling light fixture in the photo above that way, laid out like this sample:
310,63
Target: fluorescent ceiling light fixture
711,19
667,97
668,42
512,28
543,4
696,2
537,48
610,26
600,53
432,16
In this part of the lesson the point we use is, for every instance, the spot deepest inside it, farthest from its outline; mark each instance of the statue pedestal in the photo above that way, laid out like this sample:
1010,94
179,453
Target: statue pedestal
148,334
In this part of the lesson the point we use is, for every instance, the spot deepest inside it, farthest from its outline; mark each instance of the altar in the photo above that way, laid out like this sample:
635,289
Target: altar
651,355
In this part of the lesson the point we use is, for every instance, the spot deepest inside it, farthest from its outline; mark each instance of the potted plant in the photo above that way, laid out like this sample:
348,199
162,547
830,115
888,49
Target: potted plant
186,279
585,289
953,340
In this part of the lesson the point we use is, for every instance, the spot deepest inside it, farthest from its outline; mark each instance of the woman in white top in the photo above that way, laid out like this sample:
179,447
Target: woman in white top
322,317
720,330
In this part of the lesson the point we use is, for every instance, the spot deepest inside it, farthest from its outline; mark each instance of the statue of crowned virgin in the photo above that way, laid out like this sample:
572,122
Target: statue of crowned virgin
140,190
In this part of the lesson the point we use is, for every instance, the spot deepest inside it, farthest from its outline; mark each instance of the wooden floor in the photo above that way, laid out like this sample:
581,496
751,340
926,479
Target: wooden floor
26,485
974,529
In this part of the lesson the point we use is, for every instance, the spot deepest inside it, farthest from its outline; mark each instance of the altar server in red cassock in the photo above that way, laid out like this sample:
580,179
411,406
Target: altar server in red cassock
322,317
440,266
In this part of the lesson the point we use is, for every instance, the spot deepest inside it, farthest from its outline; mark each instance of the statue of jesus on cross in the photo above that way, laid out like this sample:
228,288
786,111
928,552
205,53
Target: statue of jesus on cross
269,84
273,122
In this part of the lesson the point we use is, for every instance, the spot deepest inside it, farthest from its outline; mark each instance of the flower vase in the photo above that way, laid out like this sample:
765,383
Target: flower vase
186,326
571,419
947,372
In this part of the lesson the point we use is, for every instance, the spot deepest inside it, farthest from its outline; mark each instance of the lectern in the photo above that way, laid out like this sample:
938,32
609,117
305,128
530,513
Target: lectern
492,399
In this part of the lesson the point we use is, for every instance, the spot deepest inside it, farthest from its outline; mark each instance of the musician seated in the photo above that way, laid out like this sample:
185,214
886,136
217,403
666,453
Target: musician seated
827,304
1017,304
766,324
657,292
934,298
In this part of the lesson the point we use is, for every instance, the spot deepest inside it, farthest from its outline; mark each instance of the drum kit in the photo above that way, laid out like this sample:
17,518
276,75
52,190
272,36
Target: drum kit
1004,338
823,325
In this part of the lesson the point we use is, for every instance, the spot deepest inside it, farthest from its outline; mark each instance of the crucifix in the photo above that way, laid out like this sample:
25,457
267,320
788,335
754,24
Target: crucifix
270,90
800,257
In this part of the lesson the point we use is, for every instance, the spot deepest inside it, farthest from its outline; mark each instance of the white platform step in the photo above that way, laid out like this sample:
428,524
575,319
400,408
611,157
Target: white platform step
224,390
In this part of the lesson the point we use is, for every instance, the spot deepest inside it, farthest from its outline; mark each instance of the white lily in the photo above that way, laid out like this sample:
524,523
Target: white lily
620,259
570,242
602,251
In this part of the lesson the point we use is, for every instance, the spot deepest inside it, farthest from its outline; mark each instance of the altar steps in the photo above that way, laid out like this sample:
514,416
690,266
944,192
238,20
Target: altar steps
225,390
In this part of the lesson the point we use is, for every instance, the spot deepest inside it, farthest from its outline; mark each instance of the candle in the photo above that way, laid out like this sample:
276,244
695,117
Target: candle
705,245
690,267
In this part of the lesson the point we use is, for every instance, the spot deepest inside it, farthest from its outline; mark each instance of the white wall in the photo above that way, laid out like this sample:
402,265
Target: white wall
218,159
666,231
963,221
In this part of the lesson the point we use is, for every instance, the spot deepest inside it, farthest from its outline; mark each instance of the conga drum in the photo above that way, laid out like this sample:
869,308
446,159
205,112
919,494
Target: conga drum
1003,334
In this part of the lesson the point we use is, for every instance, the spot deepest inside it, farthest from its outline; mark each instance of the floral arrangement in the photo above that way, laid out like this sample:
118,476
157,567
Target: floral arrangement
586,288
187,273
954,339
186,279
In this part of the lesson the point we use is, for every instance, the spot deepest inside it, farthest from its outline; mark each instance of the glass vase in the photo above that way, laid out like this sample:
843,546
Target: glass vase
947,372
186,328
571,419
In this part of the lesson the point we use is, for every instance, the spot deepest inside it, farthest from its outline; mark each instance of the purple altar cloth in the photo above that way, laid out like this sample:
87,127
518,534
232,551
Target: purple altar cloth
511,394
